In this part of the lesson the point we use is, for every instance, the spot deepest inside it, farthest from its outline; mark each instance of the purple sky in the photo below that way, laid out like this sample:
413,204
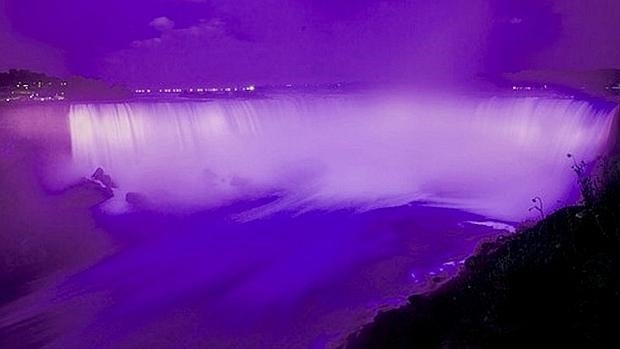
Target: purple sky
276,41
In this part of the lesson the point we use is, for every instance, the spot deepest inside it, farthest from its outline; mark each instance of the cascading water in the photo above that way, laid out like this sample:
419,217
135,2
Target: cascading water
488,156
287,280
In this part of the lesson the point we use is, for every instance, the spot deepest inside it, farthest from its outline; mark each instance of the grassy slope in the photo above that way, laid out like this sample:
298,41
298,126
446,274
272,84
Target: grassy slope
554,285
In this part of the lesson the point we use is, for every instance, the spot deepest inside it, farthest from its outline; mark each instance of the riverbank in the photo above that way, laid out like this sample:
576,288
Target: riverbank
556,284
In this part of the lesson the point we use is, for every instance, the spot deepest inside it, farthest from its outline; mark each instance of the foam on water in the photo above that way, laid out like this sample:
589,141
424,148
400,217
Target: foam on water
489,156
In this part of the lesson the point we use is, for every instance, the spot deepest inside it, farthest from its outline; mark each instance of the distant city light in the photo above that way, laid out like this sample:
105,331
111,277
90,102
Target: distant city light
249,88
520,88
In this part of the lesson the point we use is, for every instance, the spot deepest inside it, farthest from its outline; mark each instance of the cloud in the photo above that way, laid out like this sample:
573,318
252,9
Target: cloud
516,20
211,27
162,24
280,42
22,52
154,42
169,36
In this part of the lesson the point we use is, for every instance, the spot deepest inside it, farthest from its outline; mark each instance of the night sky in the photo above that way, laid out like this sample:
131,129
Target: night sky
282,41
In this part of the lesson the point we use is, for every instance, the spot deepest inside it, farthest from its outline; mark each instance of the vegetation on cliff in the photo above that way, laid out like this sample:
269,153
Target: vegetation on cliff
553,285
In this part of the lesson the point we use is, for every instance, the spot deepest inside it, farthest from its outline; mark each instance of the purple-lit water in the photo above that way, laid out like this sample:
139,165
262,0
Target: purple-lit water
337,152
287,221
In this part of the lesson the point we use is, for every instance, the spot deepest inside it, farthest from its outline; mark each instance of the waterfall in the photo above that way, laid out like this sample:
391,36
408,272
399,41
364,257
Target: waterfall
485,155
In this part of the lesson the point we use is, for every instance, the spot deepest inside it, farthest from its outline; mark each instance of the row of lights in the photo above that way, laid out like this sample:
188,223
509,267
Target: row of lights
38,99
526,88
529,88
199,90
39,84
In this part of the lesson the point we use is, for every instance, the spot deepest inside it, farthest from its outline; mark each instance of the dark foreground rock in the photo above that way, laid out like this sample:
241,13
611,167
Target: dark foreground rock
44,236
555,285
137,200
86,193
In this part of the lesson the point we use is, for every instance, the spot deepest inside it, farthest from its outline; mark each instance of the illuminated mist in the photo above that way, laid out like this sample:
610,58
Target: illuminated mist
485,155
